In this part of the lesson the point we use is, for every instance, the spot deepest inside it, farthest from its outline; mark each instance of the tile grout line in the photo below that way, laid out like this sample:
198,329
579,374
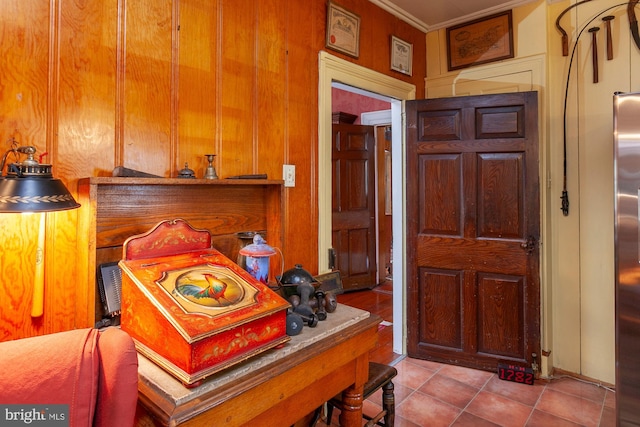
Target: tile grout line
472,399
571,395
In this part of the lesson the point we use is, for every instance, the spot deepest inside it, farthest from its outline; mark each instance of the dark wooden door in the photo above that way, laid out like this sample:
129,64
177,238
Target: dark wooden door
385,224
353,205
472,230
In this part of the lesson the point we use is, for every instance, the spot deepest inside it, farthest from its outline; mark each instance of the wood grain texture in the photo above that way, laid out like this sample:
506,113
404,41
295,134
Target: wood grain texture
303,37
151,85
19,236
237,90
86,90
472,212
25,46
197,85
147,108
441,297
353,204
271,89
118,208
277,393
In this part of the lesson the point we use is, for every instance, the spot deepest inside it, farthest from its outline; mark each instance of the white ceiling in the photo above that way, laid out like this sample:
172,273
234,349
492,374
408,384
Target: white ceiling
429,15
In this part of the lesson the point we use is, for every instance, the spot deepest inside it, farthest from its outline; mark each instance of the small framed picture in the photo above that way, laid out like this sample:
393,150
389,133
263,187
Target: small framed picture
343,30
401,55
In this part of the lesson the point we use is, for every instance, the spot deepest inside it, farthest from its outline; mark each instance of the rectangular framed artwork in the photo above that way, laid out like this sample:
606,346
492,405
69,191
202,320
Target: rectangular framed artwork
480,41
401,55
343,30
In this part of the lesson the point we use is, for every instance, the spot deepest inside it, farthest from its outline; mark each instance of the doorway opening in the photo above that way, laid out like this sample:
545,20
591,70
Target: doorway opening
335,70
361,187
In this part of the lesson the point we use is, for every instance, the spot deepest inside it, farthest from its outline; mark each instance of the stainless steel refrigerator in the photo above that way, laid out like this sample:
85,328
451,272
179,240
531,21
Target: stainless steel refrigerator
626,123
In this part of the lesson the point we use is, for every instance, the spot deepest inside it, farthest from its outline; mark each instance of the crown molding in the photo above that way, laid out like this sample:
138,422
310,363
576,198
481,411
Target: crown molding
402,14
412,20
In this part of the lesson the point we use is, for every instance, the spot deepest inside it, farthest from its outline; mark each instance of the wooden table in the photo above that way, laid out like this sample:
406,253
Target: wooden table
276,388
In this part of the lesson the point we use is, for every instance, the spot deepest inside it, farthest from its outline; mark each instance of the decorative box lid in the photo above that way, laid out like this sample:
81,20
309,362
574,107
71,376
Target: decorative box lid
202,293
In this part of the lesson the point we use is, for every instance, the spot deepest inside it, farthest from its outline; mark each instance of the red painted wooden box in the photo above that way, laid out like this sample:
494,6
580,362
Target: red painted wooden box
189,308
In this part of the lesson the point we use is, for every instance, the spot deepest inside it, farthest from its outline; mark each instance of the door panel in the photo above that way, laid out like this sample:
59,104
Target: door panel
441,201
500,315
473,227
500,210
353,205
441,298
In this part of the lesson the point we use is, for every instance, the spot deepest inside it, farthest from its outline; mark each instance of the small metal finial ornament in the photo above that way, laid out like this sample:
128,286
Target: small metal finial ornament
186,172
210,173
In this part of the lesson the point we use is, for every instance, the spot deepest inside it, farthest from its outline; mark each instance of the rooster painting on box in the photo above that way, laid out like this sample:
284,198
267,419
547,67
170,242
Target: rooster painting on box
195,313
205,289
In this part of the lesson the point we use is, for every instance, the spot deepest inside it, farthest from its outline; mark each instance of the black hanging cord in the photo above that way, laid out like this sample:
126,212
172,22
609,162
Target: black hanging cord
565,194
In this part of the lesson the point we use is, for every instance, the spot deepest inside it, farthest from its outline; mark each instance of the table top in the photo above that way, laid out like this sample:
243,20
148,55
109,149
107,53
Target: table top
165,395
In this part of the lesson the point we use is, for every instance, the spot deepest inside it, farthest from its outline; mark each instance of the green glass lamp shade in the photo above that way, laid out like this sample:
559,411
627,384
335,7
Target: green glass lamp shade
29,188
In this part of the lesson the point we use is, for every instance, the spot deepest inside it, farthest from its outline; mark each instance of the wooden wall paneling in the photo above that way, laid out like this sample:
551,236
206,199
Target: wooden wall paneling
368,51
102,83
148,76
375,27
25,53
381,31
238,88
25,49
18,234
85,122
300,148
83,127
271,88
419,64
66,303
58,296
197,84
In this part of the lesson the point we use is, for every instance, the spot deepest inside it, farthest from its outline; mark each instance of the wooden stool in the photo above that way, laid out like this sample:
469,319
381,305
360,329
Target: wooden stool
379,376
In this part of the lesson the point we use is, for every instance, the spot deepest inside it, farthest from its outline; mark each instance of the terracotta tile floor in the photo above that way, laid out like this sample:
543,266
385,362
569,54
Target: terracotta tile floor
434,394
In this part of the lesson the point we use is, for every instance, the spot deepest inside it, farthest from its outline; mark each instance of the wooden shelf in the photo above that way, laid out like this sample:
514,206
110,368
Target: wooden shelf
115,208
108,180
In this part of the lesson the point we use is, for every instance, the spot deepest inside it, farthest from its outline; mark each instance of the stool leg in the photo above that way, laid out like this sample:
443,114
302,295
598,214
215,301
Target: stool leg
389,404
316,417
329,413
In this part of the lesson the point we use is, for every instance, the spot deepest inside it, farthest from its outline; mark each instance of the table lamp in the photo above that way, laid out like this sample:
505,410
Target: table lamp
29,186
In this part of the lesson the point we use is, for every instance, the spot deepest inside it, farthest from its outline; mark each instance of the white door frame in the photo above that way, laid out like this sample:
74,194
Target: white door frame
333,69
377,118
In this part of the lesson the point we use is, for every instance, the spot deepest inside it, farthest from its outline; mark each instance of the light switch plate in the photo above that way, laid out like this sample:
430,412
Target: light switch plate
289,175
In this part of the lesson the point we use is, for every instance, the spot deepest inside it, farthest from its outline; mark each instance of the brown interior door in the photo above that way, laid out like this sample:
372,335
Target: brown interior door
473,215
353,205
385,225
